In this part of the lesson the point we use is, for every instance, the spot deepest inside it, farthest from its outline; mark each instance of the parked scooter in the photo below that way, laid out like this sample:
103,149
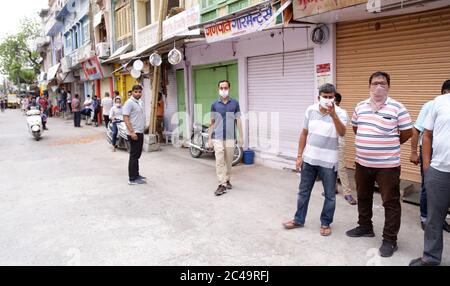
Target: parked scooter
34,123
122,137
199,141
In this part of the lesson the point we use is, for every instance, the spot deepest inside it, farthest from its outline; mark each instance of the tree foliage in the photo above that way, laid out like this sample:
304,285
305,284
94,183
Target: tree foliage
18,59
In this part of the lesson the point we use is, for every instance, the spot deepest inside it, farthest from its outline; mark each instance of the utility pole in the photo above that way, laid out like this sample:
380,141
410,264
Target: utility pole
157,70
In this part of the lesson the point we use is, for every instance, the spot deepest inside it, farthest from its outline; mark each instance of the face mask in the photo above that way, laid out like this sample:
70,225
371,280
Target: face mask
325,102
118,105
378,94
224,93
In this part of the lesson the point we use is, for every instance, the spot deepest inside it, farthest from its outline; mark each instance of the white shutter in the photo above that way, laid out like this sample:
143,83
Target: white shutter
171,101
286,90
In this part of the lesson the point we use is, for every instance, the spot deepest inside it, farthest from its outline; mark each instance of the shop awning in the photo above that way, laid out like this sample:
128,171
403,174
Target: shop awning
52,72
116,55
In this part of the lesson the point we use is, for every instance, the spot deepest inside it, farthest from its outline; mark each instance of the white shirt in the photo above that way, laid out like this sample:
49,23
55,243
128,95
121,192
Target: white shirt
107,104
88,104
438,121
115,113
322,142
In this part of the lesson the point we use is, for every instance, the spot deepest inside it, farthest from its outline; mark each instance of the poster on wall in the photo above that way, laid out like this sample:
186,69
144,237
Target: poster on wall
323,72
92,69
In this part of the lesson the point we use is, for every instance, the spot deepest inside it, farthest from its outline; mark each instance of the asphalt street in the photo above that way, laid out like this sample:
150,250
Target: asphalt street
65,201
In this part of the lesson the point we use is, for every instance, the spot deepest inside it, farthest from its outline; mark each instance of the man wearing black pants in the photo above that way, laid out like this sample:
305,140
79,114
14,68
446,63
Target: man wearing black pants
134,118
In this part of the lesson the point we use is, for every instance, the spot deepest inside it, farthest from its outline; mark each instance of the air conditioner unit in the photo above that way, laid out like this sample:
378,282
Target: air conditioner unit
102,50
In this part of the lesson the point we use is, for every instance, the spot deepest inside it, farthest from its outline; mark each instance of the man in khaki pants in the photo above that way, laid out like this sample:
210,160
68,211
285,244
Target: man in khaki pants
342,170
225,115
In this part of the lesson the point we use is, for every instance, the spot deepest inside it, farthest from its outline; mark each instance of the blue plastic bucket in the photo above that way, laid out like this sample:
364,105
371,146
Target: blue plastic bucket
249,157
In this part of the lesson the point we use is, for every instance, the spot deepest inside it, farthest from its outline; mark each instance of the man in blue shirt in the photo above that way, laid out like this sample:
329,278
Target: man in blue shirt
225,115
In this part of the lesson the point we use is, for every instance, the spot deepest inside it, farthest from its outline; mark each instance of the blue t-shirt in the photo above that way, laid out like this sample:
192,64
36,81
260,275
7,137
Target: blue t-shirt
225,116
420,122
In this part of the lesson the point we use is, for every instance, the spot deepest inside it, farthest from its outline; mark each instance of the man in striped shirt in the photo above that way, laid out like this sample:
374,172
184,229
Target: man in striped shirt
381,124
318,155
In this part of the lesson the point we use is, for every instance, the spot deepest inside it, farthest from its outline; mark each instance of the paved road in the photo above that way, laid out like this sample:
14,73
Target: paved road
65,201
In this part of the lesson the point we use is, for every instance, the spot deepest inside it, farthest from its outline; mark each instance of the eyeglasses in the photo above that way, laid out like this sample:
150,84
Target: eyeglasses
383,84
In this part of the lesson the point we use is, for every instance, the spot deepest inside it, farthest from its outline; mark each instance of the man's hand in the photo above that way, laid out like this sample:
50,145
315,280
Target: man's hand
332,110
298,164
414,158
134,136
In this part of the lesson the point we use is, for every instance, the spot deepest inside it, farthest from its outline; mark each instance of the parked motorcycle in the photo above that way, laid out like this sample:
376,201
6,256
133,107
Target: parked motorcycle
199,141
34,123
122,137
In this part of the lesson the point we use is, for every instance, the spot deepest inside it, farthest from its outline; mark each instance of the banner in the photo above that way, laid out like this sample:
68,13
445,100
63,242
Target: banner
305,8
92,69
239,26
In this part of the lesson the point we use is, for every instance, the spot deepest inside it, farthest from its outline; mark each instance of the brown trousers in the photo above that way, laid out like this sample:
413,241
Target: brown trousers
388,180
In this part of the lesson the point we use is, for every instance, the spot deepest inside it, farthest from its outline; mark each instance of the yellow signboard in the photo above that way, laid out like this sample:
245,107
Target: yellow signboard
305,8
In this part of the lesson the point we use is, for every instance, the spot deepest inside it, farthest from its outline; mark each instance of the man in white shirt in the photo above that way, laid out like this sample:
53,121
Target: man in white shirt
106,104
318,154
436,167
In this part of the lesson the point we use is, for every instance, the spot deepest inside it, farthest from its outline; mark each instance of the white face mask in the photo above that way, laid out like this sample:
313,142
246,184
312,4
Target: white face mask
118,105
325,102
224,93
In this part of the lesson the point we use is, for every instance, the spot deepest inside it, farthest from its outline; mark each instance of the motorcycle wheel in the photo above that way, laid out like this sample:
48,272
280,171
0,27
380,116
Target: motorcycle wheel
238,154
196,139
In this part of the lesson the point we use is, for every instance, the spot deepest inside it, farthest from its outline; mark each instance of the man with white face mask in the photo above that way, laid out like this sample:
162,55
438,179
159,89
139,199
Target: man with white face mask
381,125
318,155
225,116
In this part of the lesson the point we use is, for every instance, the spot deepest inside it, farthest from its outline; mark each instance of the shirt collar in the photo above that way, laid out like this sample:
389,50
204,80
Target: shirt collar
388,100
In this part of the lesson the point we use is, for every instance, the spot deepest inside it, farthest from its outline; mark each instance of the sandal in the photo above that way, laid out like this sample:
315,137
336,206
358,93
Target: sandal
291,225
325,230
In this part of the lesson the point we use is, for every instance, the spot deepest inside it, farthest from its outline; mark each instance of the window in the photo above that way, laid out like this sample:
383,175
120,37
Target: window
68,37
123,22
86,34
144,13
75,39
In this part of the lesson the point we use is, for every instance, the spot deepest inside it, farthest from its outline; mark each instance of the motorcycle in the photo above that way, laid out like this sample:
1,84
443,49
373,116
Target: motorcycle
122,137
199,141
34,123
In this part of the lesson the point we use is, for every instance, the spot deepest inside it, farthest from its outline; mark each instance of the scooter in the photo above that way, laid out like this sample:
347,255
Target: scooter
199,141
122,137
34,123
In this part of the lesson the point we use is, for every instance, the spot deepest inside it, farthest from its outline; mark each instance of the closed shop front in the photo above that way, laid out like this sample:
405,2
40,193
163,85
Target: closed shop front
413,49
280,89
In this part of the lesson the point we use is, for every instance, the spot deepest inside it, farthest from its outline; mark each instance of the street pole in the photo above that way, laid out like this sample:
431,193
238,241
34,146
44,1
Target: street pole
157,70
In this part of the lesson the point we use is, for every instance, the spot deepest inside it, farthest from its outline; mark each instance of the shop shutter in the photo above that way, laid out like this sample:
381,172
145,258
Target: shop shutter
284,85
414,49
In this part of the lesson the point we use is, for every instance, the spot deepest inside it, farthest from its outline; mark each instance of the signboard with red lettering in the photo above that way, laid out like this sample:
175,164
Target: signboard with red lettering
93,69
239,26
305,8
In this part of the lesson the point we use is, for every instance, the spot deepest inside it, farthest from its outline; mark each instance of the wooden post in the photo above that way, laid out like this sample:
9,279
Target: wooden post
157,70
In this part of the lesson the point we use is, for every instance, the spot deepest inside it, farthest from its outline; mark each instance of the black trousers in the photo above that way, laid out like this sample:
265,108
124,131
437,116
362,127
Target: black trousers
106,119
77,119
135,155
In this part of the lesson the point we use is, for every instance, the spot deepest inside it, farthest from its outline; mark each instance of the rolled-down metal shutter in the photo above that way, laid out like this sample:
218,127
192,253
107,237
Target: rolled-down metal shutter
414,49
284,86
